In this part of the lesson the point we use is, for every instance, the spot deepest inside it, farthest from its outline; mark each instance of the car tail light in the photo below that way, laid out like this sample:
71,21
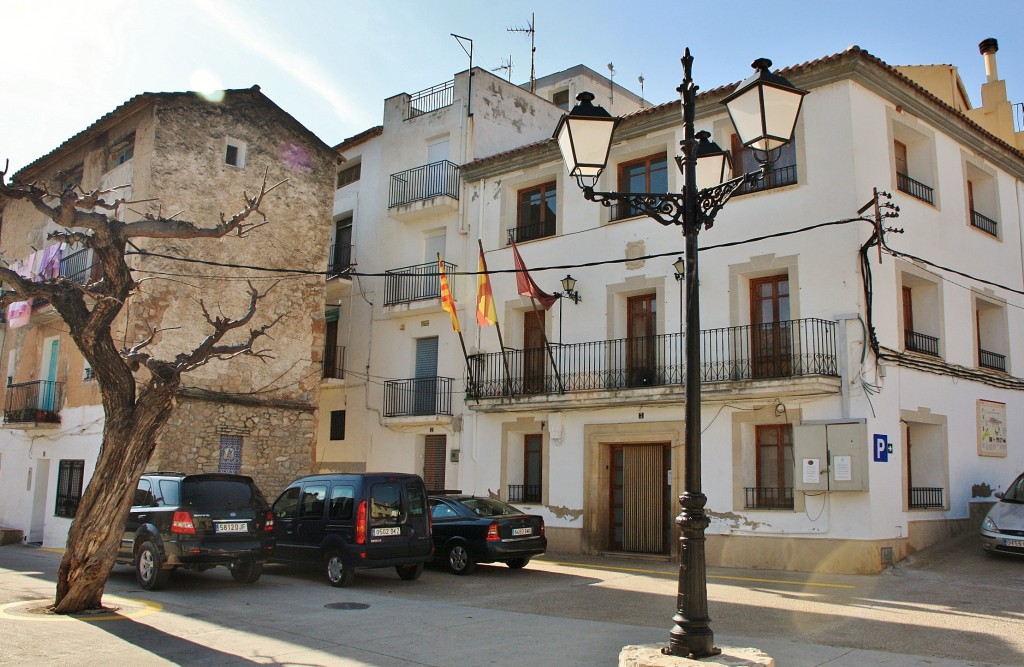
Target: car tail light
492,533
182,523
542,526
269,525
361,524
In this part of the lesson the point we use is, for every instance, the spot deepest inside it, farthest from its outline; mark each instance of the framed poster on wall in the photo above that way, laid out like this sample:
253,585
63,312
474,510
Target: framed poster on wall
991,428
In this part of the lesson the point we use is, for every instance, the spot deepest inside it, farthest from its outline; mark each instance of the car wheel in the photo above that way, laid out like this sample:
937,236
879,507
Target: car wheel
147,568
409,572
338,572
459,560
246,571
517,563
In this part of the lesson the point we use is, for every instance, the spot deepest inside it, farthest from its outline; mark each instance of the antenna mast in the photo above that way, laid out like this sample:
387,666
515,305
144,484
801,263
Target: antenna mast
469,52
505,66
611,77
531,30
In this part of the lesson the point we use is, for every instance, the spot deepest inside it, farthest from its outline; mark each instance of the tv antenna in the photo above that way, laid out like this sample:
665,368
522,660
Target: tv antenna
640,79
505,66
611,77
532,31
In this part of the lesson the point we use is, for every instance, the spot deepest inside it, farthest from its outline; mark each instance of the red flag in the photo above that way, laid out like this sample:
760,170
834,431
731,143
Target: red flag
526,285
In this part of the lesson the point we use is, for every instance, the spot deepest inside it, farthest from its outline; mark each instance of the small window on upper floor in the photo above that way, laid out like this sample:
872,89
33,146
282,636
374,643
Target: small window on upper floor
922,321
782,171
121,151
70,178
561,99
648,174
913,161
982,201
234,153
535,213
349,173
992,335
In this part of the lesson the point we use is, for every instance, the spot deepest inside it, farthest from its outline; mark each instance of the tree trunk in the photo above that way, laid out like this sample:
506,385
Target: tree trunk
129,438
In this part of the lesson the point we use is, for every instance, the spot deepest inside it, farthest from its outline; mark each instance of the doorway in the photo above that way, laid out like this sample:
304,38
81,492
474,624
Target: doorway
640,498
40,481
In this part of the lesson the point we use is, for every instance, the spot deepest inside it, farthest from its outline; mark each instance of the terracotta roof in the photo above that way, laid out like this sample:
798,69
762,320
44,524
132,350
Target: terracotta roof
138,102
708,96
357,139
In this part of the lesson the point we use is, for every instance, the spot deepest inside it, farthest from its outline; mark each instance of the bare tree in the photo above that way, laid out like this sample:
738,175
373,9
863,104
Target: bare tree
138,389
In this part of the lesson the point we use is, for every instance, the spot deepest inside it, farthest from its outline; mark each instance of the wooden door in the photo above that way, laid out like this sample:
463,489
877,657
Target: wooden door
641,329
771,330
534,354
640,498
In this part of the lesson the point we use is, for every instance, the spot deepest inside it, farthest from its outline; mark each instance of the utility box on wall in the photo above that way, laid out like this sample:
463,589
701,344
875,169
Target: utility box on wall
830,457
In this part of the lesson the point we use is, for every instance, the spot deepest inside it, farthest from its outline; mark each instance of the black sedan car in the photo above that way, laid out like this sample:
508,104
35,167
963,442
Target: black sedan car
468,530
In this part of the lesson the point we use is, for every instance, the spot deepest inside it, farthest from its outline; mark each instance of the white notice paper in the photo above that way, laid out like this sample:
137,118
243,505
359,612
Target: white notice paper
810,471
843,468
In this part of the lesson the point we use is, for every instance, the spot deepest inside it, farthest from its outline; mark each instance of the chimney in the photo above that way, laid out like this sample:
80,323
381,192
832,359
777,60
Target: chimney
988,49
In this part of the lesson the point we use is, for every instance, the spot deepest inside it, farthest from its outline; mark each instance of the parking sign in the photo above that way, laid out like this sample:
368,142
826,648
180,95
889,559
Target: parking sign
881,448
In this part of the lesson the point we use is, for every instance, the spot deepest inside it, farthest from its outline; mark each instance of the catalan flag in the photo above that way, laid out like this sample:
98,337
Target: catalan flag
447,301
485,312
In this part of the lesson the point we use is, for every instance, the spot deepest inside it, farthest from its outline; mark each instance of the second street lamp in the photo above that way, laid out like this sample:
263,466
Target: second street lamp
764,110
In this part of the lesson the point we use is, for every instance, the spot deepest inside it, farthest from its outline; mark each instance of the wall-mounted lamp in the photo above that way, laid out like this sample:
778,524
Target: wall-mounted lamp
680,267
568,289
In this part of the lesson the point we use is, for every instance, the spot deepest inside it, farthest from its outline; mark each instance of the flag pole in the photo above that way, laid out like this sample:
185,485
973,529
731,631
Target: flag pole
497,327
455,319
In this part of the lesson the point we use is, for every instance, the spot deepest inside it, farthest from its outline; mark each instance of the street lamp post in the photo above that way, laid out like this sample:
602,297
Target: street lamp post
763,109
568,292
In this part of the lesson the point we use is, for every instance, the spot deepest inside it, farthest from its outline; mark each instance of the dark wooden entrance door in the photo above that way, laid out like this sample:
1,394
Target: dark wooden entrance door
640,498
534,354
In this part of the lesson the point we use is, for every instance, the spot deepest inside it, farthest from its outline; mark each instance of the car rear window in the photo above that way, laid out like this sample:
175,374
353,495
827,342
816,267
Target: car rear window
386,504
489,507
220,493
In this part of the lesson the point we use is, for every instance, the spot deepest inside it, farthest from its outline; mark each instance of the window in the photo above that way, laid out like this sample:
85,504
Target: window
342,500
386,504
341,251
533,466
349,174
70,476
926,462
561,99
535,215
87,372
782,172
913,160
337,424
234,152
771,329
313,501
641,330
649,174
71,178
921,321
121,151
286,506
774,467
982,202
992,338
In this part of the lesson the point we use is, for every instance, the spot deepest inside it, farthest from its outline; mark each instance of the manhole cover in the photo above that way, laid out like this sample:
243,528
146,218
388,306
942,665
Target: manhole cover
346,605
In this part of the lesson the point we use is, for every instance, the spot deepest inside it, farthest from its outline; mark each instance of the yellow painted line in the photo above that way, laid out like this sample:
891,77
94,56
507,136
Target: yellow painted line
18,611
618,568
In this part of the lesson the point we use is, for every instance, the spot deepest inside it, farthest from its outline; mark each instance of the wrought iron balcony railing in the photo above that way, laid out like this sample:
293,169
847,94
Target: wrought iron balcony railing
340,259
524,493
431,99
783,349
418,397
776,178
34,402
426,182
334,362
919,342
925,497
985,224
768,497
914,188
991,360
414,283
80,267
538,230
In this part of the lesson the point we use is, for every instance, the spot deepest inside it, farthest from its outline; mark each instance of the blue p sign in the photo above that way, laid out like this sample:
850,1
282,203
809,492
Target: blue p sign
881,448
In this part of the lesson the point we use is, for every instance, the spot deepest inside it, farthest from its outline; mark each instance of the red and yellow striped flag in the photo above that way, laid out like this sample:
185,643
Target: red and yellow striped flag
447,301
485,312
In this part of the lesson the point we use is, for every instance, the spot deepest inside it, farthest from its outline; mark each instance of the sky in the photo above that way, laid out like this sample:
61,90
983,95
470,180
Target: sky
331,63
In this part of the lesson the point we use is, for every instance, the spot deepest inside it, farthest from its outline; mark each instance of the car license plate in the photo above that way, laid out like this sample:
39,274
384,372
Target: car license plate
383,532
521,531
1015,543
231,527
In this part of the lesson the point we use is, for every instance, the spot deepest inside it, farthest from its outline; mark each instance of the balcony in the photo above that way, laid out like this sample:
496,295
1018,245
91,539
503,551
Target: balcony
914,188
431,99
334,362
432,185
37,402
921,343
340,260
81,267
759,352
775,178
414,283
524,493
922,497
418,397
768,498
991,360
524,233
987,225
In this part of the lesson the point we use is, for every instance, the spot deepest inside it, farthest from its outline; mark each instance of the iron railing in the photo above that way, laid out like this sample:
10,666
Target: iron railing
984,223
775,178
524,493
919,342
426,182
768,497
1018,116
334,362
782,349
914,188
431,99
414,283
418,397
991,360
924,497
530,232
34,402
80,267
341,259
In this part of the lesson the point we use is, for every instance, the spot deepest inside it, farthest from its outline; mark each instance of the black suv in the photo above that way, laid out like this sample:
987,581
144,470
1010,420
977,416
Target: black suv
196,522
345,521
